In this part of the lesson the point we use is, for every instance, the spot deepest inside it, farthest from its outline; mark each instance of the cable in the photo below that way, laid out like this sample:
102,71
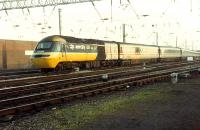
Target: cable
96,9
133,9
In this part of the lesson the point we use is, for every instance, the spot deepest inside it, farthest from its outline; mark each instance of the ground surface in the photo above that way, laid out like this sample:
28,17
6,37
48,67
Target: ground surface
170,107
162,106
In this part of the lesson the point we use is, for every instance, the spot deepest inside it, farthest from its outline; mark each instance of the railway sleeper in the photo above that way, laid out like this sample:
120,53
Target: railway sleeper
106,89
97,92
89,94
79,95
67,99
27,108
56,101
5,112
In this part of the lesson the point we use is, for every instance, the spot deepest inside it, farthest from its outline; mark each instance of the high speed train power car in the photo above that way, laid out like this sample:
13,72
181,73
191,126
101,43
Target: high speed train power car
63,52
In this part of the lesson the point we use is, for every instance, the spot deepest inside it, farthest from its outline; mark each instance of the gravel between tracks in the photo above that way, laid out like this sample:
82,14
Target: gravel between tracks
162,106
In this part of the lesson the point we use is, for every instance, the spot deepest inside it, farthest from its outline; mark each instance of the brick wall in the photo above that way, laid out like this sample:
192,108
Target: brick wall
14,54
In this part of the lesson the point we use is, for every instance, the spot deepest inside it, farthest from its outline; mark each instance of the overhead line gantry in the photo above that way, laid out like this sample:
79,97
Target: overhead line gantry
21,4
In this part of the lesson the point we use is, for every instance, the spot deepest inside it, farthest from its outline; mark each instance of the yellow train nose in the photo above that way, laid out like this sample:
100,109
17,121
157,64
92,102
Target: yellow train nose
44,62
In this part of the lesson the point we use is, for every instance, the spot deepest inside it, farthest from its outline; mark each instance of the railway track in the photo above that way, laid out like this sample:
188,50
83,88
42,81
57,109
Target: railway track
4,75
53,77
23,80
21,90
46,93
17,71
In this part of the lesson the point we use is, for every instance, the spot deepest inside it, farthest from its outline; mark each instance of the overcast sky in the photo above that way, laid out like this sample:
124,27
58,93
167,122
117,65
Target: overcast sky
172,20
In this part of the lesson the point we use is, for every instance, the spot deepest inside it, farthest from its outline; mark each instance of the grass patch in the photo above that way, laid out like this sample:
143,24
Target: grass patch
80,114
76,116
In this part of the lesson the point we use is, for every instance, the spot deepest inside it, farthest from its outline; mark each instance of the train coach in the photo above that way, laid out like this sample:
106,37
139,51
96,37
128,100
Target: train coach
170,53
63,52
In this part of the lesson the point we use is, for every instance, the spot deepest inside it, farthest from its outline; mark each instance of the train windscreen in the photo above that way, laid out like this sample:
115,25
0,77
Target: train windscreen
48,47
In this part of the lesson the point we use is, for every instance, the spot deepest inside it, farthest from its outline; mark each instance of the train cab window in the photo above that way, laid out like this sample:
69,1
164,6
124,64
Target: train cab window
44,46
49,47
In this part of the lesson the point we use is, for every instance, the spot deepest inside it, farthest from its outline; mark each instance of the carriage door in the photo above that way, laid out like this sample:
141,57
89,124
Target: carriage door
63,52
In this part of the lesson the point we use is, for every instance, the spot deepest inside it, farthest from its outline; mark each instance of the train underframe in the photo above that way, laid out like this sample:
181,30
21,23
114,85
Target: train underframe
108,63
97,64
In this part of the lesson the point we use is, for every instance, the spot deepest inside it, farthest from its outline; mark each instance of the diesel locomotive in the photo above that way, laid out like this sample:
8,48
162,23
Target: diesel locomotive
63,52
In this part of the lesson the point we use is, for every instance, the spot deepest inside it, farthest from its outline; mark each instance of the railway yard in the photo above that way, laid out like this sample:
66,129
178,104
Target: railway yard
99,65
103,98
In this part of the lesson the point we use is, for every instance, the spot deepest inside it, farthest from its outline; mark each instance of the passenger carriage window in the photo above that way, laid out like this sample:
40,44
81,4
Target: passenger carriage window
115,50
137,50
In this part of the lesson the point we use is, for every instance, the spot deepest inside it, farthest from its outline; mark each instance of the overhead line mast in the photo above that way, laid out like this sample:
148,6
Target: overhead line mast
21,4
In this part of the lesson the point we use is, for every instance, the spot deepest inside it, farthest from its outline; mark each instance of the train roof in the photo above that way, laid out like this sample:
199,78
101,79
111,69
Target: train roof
84,40
95,41
127,43
71,39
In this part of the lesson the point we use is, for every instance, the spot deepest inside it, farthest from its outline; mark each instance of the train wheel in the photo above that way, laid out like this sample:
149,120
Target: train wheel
44,70
59,67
